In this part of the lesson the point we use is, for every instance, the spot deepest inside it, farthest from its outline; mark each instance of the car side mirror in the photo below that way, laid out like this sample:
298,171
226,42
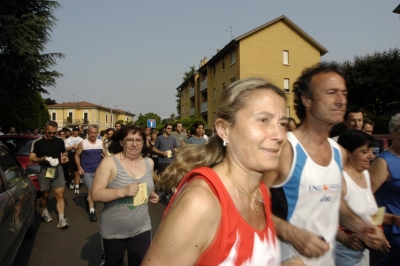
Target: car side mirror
33,169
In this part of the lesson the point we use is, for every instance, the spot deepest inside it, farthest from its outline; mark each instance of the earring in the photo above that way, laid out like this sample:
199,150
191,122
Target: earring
224,143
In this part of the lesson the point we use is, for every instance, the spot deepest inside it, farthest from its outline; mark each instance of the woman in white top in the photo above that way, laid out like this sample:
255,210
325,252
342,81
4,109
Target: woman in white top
350,249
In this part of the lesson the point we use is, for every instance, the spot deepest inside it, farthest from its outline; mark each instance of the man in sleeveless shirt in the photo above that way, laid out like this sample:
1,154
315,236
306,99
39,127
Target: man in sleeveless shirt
88,157
306,186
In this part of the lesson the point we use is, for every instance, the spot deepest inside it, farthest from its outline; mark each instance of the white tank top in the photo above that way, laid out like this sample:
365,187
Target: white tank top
312,195
360,200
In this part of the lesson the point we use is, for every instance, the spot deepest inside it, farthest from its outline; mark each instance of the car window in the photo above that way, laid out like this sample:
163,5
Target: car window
10,167
19,146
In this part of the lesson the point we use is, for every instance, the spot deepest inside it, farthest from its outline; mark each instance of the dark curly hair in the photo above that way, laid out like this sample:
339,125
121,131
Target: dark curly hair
302,85
115,145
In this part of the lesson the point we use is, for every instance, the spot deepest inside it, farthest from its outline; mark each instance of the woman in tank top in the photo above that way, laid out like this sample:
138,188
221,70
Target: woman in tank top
220,213
124,182
350,249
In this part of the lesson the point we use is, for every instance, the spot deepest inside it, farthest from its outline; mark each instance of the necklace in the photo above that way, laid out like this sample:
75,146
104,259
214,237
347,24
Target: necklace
354,174
258,193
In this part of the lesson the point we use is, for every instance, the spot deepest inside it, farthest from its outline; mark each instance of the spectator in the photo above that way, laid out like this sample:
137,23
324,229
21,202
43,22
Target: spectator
197,134
385,179
220,214
118,126
368,126
49,151
107,140
179,135
124,182
12,131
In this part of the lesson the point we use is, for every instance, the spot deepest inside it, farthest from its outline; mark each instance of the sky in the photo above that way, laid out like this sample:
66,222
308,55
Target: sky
132,54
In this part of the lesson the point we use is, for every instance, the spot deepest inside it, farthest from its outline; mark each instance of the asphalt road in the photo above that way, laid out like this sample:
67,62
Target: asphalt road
80,244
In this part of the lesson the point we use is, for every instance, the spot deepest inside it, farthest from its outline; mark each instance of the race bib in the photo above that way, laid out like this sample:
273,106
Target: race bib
377,219
50,172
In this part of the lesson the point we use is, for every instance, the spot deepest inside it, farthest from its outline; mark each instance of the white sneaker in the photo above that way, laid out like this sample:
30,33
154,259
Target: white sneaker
46,217
76,191
62,224
72,185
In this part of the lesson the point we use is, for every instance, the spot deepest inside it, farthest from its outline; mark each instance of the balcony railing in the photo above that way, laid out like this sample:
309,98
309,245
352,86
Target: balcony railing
70,121
192,111
204,107
203,85
191,91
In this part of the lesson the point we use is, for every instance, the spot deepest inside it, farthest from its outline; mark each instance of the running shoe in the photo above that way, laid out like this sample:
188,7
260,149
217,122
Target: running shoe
93,217
71,185
76,191
62,224
46,217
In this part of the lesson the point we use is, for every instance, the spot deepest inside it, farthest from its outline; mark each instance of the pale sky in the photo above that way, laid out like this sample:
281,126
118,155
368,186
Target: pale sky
133,53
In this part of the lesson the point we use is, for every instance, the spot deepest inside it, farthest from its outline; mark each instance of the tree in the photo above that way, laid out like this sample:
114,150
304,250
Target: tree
25,71
374,81
191,72
49,101
142,119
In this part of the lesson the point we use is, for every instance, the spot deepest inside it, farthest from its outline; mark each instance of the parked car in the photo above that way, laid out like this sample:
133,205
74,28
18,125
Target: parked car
383,141
20,147
17,204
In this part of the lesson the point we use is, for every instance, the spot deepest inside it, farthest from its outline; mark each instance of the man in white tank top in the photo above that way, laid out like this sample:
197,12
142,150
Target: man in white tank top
306,186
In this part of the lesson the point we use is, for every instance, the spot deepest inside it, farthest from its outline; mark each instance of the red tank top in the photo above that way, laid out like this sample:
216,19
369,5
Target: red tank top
236,242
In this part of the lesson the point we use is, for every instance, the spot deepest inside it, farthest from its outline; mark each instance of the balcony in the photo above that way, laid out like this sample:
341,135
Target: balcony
73,122
191,92
204,107
203,85
192,113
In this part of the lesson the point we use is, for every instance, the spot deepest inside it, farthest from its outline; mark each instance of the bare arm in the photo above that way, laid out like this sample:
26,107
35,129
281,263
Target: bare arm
34,159
104,173
379,172
189,226
163,153
78,153
305,242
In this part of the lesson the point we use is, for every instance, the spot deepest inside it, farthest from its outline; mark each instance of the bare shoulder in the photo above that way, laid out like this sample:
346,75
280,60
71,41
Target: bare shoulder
191,223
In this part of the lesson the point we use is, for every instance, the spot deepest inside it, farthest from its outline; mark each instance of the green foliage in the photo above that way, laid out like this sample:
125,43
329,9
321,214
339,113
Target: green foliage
178,102
142,119
24,111
25,28
191,72
374,80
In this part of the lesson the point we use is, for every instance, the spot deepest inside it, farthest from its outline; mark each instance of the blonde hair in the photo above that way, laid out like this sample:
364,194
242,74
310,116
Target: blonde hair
193,156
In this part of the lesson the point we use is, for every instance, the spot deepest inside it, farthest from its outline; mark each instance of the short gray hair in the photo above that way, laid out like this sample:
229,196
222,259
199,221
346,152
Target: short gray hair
93,126
52,124
394,122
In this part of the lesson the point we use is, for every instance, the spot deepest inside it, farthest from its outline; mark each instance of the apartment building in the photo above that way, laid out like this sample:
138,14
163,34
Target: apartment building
277,51
70,114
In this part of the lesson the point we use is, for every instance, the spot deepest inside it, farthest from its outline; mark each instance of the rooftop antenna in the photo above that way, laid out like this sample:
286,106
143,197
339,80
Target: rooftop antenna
229,29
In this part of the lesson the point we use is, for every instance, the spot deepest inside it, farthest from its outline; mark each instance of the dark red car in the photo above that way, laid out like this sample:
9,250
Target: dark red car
20,147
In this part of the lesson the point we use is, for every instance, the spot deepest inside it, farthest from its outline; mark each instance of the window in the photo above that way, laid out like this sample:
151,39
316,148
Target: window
186,107
215,94
53,116
233,79
223,86
106,117
214,70
223,63
285,57
85,118
183,109
286,85
233,57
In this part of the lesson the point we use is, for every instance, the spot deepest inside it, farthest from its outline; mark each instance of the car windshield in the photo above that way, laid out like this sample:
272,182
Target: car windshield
20,146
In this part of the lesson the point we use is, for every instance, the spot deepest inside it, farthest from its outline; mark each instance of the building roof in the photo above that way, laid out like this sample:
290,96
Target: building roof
83,104
397,9
313,42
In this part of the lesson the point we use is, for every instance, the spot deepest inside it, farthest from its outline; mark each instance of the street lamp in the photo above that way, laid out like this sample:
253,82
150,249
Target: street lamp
111,120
